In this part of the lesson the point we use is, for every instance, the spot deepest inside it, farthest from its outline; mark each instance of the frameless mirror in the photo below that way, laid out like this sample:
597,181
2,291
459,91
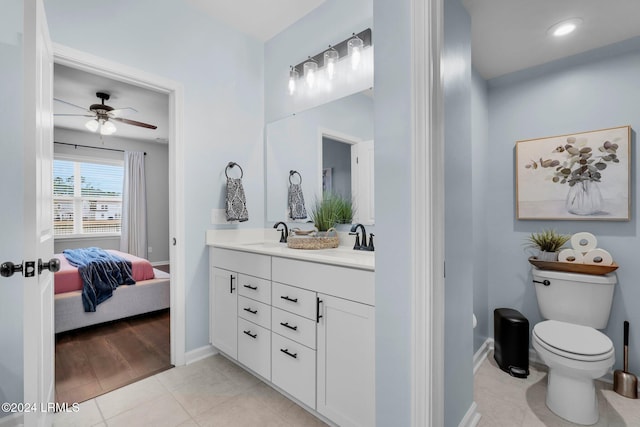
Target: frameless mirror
331,148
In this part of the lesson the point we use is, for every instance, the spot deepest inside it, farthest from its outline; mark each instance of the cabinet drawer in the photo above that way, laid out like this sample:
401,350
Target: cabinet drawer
249,263
254,347
295,300
254,311
295,327
254,288
293,368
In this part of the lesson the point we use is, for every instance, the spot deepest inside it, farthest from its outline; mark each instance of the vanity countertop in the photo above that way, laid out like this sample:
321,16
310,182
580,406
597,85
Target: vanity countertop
340,256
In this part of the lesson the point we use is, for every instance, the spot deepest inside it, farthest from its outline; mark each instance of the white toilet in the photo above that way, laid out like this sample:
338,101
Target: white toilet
568,342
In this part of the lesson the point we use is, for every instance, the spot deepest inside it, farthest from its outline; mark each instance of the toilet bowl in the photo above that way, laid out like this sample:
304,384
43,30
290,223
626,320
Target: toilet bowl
575,355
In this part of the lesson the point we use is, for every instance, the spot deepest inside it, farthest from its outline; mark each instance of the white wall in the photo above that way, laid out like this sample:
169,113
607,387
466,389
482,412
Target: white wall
157,180
595,90
11,190
222,74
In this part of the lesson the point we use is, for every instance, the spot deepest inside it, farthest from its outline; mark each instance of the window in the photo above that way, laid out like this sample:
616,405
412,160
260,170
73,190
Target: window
87,198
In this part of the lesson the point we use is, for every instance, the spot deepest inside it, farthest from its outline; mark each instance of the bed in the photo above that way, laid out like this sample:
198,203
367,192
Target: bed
150,293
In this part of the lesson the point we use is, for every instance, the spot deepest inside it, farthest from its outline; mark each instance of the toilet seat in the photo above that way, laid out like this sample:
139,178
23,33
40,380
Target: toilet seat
573,341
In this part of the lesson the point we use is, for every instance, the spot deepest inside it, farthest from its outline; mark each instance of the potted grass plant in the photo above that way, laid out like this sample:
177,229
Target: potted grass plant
548,243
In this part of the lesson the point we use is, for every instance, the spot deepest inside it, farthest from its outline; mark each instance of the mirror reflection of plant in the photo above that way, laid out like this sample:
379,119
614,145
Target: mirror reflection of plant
581,164
332,209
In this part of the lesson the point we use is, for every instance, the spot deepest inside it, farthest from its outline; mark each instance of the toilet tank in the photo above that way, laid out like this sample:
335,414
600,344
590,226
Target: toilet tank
583,299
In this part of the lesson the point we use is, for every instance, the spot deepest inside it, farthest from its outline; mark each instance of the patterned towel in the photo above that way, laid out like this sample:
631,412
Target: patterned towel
296,202
236,201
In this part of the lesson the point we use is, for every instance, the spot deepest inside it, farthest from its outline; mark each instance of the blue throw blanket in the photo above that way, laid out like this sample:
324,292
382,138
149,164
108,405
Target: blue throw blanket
101,273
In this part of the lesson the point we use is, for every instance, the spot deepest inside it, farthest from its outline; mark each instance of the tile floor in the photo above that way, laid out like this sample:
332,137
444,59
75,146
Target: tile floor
211,392
512,402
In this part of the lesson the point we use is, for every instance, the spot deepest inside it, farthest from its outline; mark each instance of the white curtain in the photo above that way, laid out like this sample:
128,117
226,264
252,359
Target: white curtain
133,238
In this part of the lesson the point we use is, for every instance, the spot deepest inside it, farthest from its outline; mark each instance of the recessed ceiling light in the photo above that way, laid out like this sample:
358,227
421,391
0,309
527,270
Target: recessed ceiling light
565,27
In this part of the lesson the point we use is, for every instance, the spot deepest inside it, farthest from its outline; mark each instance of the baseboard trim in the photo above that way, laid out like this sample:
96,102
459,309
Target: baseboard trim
155,263
199,354
472,417
482,354
13,420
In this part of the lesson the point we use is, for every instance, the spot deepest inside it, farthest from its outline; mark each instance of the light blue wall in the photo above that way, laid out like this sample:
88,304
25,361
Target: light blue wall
332,22
392,112
480,169
459,210
11,219
591,91
222,73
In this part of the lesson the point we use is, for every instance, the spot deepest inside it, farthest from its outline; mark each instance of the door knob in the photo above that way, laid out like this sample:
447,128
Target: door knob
53,265
8,268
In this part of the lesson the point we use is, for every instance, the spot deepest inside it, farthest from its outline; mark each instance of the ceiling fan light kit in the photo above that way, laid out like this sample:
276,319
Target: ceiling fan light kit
102,116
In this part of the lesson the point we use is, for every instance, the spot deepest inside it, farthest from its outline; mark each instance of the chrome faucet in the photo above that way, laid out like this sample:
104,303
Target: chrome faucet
284,232
354,231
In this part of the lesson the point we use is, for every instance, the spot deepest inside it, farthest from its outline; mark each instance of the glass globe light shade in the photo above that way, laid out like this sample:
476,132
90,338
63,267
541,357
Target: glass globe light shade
92,125
107,128
310,69
331,57
293,78
354,48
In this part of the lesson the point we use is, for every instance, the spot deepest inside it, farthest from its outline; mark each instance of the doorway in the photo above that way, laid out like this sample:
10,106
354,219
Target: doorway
100,67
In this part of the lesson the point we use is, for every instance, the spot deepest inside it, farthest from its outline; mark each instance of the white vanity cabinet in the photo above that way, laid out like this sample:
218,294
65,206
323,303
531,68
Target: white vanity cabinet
247,274
306,326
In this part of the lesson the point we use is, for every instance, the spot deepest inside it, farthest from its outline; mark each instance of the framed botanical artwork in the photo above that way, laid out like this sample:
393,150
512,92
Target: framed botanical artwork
580,176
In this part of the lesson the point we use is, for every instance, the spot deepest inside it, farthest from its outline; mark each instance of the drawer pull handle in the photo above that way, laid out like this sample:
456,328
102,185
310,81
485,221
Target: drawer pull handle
231,288
318,315
286,351
287,325
253,288
251,311
254,336
286,297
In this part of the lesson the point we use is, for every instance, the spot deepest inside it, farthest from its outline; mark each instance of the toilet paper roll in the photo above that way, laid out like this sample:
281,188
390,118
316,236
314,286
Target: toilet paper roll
571,255
583,242
598,257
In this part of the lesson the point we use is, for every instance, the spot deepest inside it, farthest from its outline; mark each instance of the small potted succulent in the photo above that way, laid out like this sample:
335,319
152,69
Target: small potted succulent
548,242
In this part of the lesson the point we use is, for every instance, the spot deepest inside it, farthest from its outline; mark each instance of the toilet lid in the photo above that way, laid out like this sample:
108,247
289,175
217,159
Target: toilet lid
575,339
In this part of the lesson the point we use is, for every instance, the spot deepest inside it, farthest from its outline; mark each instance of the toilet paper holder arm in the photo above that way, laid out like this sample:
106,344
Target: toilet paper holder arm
544,282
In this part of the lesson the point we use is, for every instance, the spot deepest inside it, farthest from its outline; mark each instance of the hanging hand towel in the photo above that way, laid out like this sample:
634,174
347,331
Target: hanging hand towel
236,201
297,209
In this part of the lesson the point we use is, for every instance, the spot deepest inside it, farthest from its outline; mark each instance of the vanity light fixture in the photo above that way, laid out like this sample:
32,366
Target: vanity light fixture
321,71
565,27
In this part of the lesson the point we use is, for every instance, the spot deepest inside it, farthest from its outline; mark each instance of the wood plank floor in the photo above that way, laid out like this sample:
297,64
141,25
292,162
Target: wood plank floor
98,359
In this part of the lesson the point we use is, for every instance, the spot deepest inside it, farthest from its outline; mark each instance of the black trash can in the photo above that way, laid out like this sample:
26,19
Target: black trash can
511,333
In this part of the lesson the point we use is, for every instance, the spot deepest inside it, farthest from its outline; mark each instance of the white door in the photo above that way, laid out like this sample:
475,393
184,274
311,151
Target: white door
38,217
346,362
362,173
224,312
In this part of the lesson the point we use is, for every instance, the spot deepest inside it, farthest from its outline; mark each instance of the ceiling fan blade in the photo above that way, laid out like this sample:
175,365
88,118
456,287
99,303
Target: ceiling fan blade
119,111
69,103
135,123
75,115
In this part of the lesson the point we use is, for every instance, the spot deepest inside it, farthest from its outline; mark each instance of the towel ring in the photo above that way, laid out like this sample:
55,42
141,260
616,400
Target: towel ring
230,165
291,173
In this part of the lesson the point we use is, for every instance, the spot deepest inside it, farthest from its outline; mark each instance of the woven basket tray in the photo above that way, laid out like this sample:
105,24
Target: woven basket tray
321,240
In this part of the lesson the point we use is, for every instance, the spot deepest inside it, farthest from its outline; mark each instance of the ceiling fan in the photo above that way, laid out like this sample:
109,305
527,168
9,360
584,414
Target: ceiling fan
102,115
